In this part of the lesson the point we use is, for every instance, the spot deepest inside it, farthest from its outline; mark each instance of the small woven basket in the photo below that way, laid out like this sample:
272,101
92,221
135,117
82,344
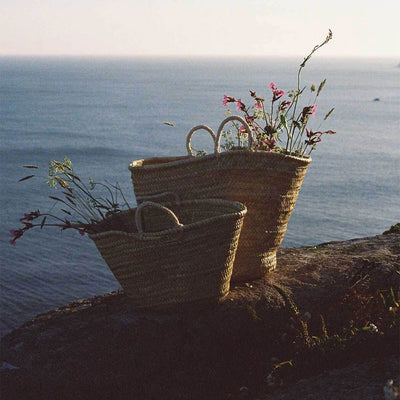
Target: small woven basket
170,255
267,183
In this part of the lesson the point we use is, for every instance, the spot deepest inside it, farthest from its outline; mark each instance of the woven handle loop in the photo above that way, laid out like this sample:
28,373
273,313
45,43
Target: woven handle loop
150,197
138,214
217,148
190,134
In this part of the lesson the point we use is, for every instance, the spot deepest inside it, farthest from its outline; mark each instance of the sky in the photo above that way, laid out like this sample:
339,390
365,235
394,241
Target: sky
367,28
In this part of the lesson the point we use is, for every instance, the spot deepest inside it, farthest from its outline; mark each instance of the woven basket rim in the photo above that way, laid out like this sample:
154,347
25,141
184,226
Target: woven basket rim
240,212
172,161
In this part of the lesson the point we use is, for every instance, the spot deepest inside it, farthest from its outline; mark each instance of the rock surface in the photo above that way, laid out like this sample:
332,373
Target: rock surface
321,326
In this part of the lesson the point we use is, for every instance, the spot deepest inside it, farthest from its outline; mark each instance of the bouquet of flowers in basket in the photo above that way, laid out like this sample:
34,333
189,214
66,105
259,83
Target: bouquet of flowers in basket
281,126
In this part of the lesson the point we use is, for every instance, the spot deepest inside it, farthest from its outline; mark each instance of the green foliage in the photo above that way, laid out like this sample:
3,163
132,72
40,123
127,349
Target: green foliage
393,229
234,137
81,206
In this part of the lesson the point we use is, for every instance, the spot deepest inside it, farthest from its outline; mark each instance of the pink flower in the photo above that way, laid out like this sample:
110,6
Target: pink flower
284,105
270,143
242,129
16,233
239,104
258,105
31,216
25,217
277,93
228,99
308,110
314,110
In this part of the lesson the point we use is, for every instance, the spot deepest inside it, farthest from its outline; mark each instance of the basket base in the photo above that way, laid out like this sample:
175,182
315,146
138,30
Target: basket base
266,263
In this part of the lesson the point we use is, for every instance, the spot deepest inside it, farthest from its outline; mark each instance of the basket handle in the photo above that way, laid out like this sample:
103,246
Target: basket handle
138,214
217,148
150,197
190,134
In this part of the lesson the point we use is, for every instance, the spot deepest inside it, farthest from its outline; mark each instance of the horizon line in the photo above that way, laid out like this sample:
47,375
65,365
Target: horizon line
239,56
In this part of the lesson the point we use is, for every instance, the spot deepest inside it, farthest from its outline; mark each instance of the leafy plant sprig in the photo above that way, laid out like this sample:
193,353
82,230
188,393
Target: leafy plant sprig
81,206
281,118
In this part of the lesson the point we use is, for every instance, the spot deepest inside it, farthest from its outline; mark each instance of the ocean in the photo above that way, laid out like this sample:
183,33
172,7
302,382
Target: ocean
103,113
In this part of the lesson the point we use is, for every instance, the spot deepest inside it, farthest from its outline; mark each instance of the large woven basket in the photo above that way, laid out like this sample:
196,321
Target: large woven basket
173,255
267,183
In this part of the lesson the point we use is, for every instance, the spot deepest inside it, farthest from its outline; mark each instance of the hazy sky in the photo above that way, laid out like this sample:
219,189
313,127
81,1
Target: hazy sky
199,27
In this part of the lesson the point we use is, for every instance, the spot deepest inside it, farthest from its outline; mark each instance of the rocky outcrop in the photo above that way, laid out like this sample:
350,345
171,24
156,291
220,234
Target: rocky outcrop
323,325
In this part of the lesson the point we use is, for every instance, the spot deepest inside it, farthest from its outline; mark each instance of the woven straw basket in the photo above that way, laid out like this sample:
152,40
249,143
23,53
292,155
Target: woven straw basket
165,256
267,183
